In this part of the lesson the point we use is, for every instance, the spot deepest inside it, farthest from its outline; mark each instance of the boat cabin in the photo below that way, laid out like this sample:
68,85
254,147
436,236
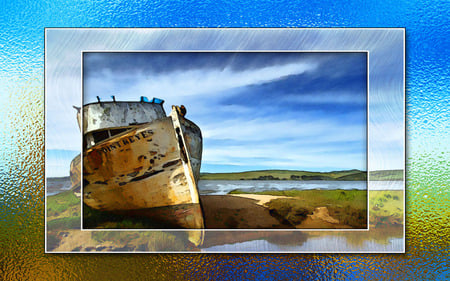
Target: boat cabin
103,120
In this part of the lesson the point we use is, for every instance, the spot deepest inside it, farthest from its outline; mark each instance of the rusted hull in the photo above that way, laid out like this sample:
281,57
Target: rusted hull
75,172
146,171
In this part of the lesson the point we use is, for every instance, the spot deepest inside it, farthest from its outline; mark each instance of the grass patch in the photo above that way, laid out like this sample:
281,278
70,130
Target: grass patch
386,207
64,223
349,215
63,211
290,211
316,196
59,203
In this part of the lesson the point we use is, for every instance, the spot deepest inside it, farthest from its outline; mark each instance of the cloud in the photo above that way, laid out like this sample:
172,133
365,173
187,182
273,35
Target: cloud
194,82
324,129
58,162
286,156
387,133
288,144
327,97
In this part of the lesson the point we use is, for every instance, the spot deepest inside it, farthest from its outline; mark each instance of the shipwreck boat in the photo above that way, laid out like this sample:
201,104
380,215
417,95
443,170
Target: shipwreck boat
138,161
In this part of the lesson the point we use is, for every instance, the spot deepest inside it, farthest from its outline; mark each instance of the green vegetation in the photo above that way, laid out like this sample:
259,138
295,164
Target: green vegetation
64,202
64,223
287,175
354,177
386,207
63,211
348,206
387,175
348,175
290,211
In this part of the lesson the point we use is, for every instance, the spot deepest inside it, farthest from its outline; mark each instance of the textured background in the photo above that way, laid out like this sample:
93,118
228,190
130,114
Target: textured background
22,158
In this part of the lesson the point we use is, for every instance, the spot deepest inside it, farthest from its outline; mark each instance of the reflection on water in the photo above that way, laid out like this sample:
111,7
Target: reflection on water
321,244
384,239
386,185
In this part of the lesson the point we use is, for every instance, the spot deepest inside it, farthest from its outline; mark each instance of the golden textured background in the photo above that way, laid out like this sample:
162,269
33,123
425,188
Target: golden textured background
22,254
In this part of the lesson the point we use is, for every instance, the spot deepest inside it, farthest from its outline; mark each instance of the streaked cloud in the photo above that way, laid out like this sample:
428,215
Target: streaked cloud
195,82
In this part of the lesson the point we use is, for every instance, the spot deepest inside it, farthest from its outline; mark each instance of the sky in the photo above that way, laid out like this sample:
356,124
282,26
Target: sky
256,109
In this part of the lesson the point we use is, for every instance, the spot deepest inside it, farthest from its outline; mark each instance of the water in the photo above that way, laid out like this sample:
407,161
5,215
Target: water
321,244
384,238
386,185
56,186
220,187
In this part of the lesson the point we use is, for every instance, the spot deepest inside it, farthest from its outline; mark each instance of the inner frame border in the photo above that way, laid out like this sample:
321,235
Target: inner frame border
367,52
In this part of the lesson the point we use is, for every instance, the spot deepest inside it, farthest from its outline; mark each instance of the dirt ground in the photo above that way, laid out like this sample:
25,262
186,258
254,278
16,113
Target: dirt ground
228,211
247,211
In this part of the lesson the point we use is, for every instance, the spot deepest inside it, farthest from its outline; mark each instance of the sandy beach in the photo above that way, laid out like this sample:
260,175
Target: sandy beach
261,199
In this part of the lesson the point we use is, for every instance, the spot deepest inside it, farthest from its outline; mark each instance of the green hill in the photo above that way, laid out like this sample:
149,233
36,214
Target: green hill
345,175
287,175
386,175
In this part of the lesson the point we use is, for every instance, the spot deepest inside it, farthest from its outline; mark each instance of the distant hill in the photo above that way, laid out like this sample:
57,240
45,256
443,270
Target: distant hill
386,175
347,175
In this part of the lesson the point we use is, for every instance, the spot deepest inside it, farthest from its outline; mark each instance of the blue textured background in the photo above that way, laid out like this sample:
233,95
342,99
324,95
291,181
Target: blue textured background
22,138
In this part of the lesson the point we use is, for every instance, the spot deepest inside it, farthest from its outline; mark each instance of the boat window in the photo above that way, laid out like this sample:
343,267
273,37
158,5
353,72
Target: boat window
93,138
99,136
117,131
